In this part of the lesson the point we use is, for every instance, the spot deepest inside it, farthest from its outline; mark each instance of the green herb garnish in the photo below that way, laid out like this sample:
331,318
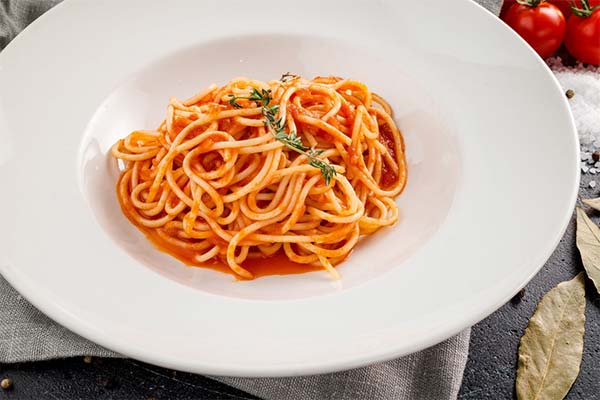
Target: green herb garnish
288,77
264,97
277,128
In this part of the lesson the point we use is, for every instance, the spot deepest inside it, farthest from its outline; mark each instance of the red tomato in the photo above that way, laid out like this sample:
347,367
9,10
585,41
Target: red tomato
505,6
583,37
542,26
563,6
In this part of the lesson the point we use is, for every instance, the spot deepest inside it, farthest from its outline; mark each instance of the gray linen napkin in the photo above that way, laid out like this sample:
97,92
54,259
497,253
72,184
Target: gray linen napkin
28,335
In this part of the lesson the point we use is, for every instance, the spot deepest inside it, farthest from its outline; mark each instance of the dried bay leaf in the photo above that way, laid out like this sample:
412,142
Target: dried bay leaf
594,203
552,346
588,243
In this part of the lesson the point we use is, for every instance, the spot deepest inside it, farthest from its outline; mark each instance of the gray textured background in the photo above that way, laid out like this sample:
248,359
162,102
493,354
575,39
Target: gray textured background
489,374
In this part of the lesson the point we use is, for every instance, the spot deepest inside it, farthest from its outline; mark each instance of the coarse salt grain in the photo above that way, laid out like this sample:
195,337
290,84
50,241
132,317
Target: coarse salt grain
592,184
556,65
584,168
585,105
584,82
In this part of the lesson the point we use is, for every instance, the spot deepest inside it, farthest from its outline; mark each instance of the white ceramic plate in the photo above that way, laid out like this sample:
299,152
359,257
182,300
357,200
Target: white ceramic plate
493,175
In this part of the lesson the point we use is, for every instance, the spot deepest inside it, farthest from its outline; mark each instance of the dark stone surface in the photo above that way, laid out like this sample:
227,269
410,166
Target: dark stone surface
491,368
72,379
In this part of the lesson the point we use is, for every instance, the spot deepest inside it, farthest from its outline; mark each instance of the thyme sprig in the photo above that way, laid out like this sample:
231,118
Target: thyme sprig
585,10
288,77
263,96
278,125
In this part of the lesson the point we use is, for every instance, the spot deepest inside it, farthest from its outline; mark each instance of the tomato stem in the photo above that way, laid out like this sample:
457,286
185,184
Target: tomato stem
584,11
531,3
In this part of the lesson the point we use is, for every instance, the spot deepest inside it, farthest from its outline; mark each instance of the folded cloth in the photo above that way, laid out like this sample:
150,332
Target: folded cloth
15,15
28,335
435,373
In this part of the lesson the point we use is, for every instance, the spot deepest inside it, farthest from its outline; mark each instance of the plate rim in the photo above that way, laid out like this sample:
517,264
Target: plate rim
72,323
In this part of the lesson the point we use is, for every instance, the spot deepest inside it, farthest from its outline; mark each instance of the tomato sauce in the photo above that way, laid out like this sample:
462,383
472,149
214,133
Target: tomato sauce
386,137
388,176
276,264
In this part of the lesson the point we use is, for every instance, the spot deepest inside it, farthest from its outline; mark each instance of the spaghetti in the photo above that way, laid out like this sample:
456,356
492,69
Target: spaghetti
293,167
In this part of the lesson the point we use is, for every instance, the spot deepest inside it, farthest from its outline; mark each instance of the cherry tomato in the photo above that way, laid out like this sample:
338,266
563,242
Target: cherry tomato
563,6
505,6
583,37
542,25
